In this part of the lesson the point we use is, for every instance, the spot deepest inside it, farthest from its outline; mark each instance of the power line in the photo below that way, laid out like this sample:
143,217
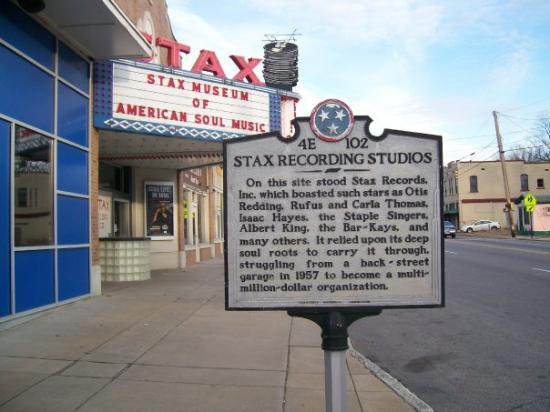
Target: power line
526,147
479,164
518,125
481,126
482,155
482,135
485,147
517,142
525,118
528,104
476,151
468,137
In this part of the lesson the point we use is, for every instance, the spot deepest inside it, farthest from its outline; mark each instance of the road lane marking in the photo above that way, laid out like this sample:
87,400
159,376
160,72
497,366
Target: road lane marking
542,270
453,253
546,253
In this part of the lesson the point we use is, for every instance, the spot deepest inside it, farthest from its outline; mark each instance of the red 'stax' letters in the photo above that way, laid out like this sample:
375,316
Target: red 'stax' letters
207,61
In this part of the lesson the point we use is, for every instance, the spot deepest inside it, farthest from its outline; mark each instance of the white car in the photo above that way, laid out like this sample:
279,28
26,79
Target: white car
480,225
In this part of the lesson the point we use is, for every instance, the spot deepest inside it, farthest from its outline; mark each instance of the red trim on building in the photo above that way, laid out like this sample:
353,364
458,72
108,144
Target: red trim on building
489,200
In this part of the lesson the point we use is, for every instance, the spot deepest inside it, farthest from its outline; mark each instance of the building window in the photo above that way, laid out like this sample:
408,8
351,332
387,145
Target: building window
114,178
524,180
22,198
121,212
473,184
33,218
219,215
201,216
190,216
540,183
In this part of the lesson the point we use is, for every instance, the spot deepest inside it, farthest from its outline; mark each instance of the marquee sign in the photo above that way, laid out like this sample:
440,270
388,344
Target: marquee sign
206,61
334,217
151,99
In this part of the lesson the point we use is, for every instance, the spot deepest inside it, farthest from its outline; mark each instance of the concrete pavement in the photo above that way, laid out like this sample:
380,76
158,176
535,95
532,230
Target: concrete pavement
167,344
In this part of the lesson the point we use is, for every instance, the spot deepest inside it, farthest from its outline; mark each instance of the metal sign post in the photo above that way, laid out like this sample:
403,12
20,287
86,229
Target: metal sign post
333,224
530,202
334,326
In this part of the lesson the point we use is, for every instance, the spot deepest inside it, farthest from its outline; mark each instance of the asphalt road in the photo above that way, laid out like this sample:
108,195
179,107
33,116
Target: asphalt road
489,348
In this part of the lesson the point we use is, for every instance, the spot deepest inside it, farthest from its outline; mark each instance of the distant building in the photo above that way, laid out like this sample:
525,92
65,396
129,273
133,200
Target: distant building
475,190
537,222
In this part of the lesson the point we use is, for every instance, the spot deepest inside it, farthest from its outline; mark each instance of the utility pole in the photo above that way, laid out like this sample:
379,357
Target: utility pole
505,176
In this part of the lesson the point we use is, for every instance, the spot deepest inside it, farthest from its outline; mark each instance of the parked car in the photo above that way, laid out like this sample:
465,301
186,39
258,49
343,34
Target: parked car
479,225
449,229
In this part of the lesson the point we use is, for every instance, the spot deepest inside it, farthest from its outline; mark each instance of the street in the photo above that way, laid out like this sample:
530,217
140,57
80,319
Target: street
488,349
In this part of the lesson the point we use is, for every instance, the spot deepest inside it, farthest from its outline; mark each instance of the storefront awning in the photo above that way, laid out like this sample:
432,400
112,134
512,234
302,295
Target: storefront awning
98,28
138,150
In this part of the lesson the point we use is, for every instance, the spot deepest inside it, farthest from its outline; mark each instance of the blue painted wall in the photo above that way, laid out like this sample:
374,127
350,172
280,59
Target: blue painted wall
72,120
34,279
25,34
27,97
72,169
26,91
73,273
73,68
72,220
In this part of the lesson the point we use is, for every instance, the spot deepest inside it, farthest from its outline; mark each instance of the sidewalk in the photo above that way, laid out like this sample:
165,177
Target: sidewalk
168,345
502,234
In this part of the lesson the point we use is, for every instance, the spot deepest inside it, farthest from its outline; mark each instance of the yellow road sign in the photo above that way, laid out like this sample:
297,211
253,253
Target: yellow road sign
530,208
530,201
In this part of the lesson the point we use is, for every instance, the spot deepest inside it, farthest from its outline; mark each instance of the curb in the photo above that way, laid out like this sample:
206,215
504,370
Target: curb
478,235
405,394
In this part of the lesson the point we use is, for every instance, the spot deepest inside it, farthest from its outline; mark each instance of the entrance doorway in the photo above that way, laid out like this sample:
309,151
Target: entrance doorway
121,221
190,218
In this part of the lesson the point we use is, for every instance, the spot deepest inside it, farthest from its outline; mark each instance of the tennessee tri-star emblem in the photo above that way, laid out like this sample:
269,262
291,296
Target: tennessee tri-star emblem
331,120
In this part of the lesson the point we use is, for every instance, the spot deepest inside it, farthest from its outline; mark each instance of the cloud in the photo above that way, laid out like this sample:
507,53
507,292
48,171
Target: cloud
429,66
198,33
408,24
512,67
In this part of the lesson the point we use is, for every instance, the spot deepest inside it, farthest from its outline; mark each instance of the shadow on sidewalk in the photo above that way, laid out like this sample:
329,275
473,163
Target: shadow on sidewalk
168,344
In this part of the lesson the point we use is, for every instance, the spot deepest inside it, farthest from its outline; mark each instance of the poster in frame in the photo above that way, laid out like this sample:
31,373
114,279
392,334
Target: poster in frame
159,210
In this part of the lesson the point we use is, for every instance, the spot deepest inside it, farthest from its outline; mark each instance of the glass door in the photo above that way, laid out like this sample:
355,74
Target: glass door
121,218
190,216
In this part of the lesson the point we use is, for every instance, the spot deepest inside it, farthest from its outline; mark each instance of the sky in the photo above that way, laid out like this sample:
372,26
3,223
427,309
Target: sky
428,66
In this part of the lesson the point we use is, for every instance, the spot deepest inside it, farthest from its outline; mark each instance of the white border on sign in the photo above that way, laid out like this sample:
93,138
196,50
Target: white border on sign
437,294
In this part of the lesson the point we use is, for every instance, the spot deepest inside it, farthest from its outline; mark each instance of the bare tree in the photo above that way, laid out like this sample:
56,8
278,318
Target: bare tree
537,147
542,128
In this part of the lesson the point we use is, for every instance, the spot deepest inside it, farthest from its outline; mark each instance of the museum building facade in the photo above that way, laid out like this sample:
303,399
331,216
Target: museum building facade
104,137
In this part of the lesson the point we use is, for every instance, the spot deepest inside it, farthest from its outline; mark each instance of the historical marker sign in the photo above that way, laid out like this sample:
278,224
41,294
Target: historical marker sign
334,216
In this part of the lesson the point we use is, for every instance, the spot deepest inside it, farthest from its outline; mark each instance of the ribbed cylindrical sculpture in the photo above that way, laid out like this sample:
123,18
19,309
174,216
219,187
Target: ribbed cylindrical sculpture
281,65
